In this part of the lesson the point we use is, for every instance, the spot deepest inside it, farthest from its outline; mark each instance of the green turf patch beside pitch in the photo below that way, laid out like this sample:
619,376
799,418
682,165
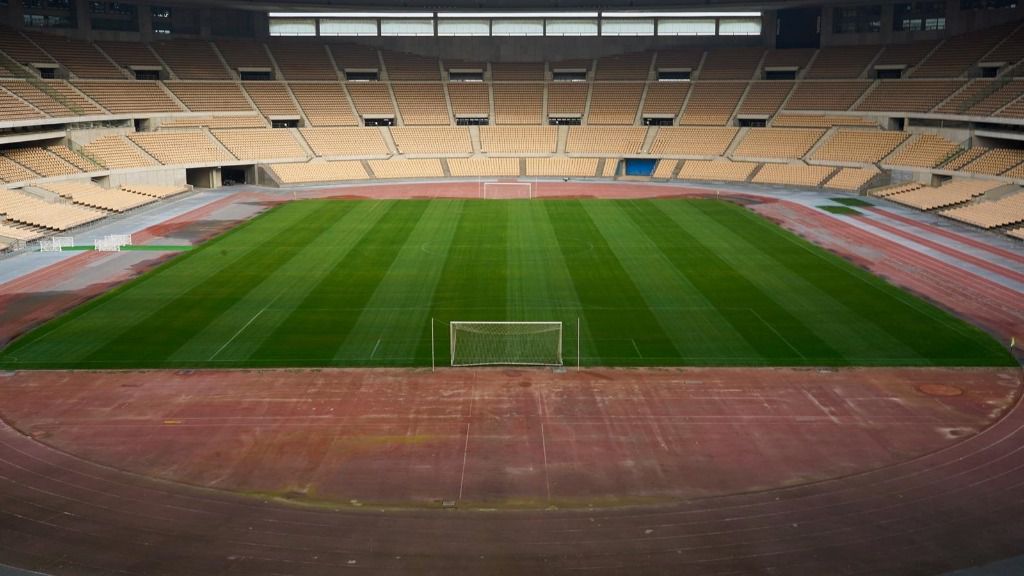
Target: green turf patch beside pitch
843,210
852,202
360,283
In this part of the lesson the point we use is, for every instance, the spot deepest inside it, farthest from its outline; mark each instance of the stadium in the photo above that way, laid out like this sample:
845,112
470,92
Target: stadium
569,286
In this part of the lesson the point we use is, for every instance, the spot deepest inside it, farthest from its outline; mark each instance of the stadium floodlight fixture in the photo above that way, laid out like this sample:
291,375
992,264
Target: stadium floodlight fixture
680,14
517,14
351,14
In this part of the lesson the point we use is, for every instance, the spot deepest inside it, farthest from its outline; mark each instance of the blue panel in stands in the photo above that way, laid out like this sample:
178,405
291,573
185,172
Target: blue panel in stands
639,167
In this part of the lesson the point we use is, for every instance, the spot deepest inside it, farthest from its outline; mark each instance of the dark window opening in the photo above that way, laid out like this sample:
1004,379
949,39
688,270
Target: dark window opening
465,76
657,121
780,74
378,122
889,74
147,74
565,121
569,76
372,76
284,123
473,121
673,75
257,76
752,122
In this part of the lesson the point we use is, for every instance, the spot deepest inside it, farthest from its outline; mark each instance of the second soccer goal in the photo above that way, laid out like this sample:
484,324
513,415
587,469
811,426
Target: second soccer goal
506,343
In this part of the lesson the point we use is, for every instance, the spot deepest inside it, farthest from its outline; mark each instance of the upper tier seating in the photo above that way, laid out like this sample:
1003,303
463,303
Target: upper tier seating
731,63
440,140
355,57
953,192
996,161
964,158
924,151
73,158
517,71
777,143
907,55
86,193
241,53
127,54
838,96
12,108
301,59
793,174
765,98
402,66
11,171
405,168
797,57
716,170
210,96
26,209
841,62
567,98
54,97
260,143
518,103
862,146
80,58
519,139
470,99
693,141
597,139
126,97
665,97
20,49
325,104
422,104
983,97
191,60
562,167
634,66
215,122
614,103
477,167
305,172
180,147
271,98
371,98
908,96
852,179
992,214
712,103
953,56
681,58
816,121
118,152
41,161
357,142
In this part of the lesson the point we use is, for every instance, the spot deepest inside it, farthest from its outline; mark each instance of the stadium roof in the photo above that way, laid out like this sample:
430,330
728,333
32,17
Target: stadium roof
505,5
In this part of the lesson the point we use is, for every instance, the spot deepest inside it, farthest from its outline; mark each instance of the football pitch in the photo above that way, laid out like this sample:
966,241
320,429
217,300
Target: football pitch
649,283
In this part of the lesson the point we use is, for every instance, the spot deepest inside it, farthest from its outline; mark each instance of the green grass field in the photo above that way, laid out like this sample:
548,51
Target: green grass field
654,282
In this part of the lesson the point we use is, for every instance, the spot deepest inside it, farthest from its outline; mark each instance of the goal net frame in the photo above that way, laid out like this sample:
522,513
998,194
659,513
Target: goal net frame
503,339
56,243
492,190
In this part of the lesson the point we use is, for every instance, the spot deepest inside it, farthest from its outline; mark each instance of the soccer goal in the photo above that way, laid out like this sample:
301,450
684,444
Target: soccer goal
56,243
112,242
506,343
507,190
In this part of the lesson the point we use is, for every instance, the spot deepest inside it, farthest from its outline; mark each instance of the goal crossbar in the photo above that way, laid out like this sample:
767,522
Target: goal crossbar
505,343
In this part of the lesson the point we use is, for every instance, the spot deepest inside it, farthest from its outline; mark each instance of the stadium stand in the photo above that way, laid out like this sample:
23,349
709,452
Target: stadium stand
260,143
693,141
518,103
301,59
955,55
891,189
54,98
567,98
214,122
665,169
26,209
1017,233
13,108
21,233
191,60
906,55
271,98
615,103
712,103
306,172
861,146
80,58
473,167
210,96
558,167
852,179
908,95
731,63
777,143
793,174
519,139
11,171
41,161
995,161
953,192
680,58
635,66
991,214
924,151
470,99
435,140
74,158
355,57
118,152
128,54
407,168
345,141
155,190
964,158
765,97
816,121
792,58
371,99
126,97
983,97
324,104
15,45
517,71
845,62
605,140
716,170
665,98
403,66
242,53
826,96
86,193
180,147
422,104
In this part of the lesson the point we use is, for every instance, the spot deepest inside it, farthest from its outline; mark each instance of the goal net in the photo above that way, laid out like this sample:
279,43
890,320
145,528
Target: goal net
507,190
56,243
506,343
112,242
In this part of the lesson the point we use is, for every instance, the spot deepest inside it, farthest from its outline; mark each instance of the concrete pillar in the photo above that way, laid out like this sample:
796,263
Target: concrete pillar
83,17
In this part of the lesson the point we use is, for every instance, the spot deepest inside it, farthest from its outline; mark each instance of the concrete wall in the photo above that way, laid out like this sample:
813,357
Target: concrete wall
957,22
152,176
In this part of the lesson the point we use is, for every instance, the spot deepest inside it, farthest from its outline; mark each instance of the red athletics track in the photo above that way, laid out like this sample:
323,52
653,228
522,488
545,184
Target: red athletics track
722,471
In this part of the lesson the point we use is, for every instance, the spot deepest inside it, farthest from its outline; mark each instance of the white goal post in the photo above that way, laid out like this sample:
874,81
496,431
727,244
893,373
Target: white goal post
506,343
507,190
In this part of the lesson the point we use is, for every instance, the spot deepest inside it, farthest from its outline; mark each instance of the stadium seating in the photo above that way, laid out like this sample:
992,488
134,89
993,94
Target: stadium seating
995,161
567,98
214,122
41,161
712,103
406,168
765,98
559,167
635,66
80,58
242,53
896,189
1017,233
118,152
371,99
53,97
191,60
301,59
716,170
86,193
422,104
155,190
325,104
12,108
665,98
74,158
21,233
210,96
260,144
26,209
952,57
614,103
128,54
306,172
852,179
402,66
345,141
793,174
180,147
953,192
777,143
924,151
861,146
818,121
731,63
605,140
958,161
482,167
519,139
470,99
518,103
841,62
665,169
271,98
125,97
991,214
826,96
908,95
434,140
517,71
11,171
693,141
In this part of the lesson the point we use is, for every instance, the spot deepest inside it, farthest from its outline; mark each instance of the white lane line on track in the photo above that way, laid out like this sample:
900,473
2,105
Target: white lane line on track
465,456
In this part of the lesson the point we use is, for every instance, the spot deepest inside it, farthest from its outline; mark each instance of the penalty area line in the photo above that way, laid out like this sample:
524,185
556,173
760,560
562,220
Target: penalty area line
240,330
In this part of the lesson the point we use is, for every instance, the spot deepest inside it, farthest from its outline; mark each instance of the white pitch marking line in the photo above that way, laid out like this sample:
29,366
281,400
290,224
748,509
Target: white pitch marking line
637,348
465,456
544,446
375,346
240,330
